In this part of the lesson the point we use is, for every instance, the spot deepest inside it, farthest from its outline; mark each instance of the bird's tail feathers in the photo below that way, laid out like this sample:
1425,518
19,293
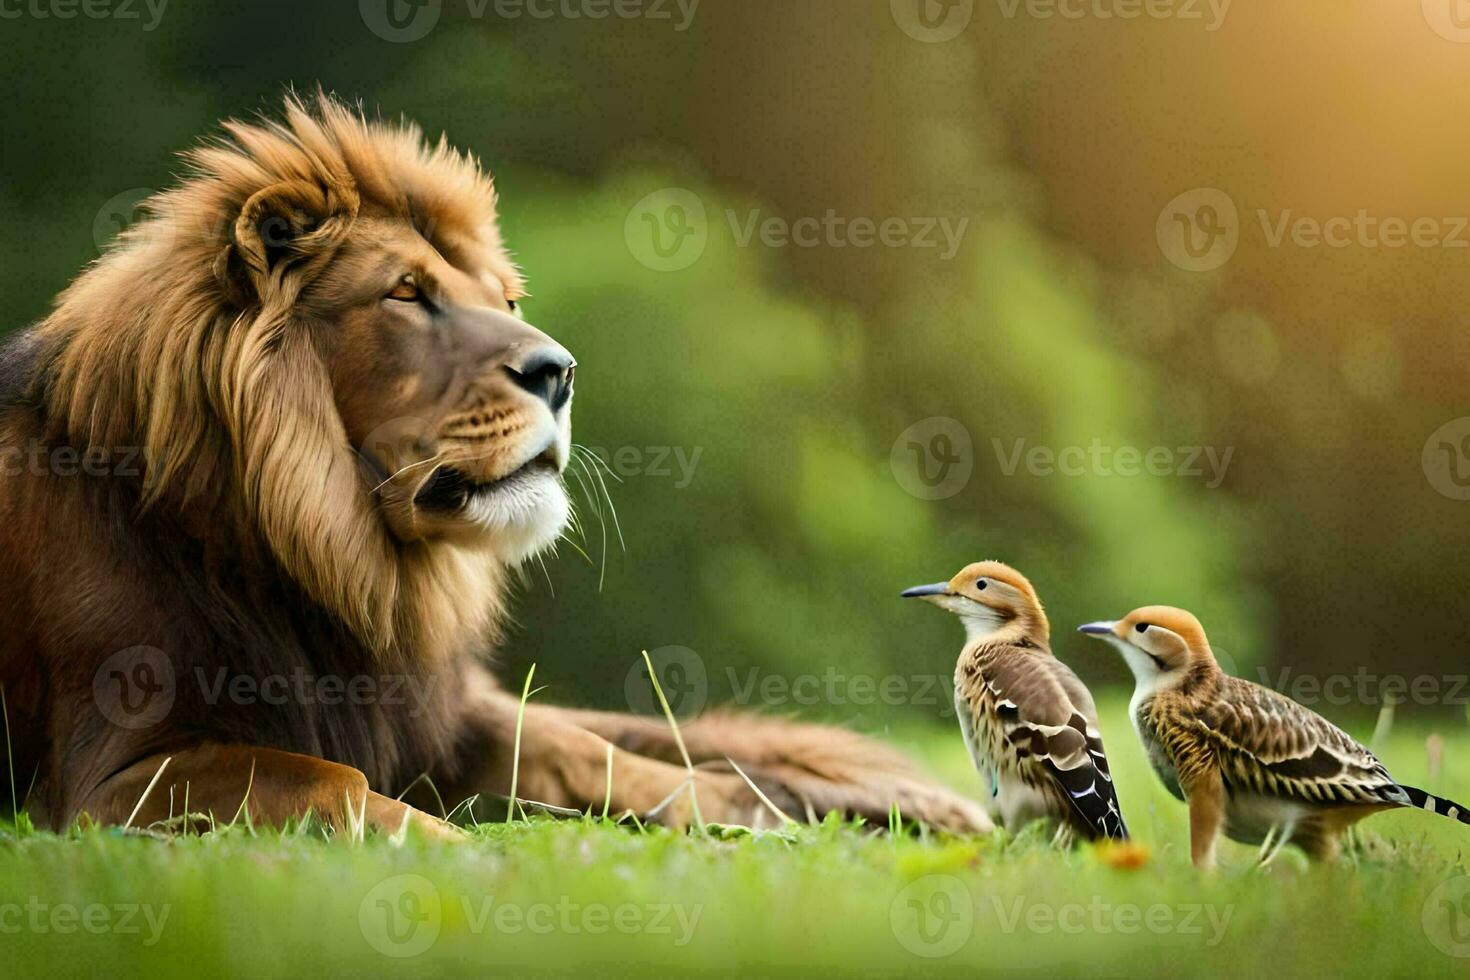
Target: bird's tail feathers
1436,804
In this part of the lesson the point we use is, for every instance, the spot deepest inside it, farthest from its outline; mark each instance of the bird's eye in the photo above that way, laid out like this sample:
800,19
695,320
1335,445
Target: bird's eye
406,291
981,584
1142,627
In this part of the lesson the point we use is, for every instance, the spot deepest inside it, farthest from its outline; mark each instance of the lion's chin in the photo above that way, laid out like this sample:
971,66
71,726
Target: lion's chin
520,515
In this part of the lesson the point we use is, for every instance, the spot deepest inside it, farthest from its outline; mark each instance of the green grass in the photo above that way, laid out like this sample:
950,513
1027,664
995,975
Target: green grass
592,898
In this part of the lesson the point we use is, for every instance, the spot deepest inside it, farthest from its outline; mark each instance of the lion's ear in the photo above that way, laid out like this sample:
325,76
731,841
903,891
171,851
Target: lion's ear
283,234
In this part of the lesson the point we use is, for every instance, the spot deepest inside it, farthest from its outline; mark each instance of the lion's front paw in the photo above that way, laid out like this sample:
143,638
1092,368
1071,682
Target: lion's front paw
873,796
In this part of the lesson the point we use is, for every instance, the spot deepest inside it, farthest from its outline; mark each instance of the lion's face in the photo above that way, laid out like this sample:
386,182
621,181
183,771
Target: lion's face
459,410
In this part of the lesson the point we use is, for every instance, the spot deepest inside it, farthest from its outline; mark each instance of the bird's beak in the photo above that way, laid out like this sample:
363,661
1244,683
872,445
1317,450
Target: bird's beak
919,591
1103,627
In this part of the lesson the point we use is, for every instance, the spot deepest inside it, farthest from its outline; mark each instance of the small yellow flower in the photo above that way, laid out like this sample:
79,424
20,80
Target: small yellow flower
1123,855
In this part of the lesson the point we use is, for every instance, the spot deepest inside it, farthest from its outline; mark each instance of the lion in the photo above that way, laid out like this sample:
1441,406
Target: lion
269,464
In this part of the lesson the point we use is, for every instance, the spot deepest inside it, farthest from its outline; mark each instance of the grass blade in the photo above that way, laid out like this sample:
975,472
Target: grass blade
144,798
760,795
10,761
515,765
678,740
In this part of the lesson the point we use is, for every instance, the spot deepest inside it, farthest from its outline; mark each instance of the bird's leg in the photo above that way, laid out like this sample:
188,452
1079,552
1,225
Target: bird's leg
1206,818
1266,845
1282,841
1062,839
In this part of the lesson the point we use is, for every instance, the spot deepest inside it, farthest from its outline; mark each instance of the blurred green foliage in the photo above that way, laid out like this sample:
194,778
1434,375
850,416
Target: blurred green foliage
785,376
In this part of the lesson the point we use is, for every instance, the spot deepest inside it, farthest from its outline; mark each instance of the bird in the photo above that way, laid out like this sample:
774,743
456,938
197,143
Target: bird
1030,724
1249,761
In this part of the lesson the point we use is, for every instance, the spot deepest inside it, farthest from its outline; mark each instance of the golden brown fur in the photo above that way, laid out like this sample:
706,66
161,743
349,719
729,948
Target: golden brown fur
346,435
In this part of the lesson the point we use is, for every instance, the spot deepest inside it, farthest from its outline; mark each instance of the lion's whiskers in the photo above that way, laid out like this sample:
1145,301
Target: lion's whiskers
597,471
577,473
436,458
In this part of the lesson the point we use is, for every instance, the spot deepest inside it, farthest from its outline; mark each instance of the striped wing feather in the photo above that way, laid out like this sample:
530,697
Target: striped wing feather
1047,727
1269,744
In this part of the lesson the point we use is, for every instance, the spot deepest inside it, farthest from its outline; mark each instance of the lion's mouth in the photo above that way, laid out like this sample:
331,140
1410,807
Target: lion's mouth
451,490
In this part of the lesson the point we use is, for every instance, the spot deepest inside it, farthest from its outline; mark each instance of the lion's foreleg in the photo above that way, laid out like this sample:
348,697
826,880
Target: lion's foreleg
565,764
226,782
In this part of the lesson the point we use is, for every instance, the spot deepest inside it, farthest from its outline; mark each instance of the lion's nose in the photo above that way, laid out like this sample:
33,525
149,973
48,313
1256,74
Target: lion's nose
546,372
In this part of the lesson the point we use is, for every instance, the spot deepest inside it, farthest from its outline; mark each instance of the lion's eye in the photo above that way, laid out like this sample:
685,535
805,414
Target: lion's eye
407,290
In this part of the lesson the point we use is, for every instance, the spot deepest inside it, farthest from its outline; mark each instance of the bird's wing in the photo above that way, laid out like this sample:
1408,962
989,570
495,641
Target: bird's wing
1049,724
1269,744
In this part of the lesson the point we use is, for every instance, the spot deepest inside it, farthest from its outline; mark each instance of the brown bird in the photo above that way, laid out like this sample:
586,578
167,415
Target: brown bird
1030,724
1249,762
